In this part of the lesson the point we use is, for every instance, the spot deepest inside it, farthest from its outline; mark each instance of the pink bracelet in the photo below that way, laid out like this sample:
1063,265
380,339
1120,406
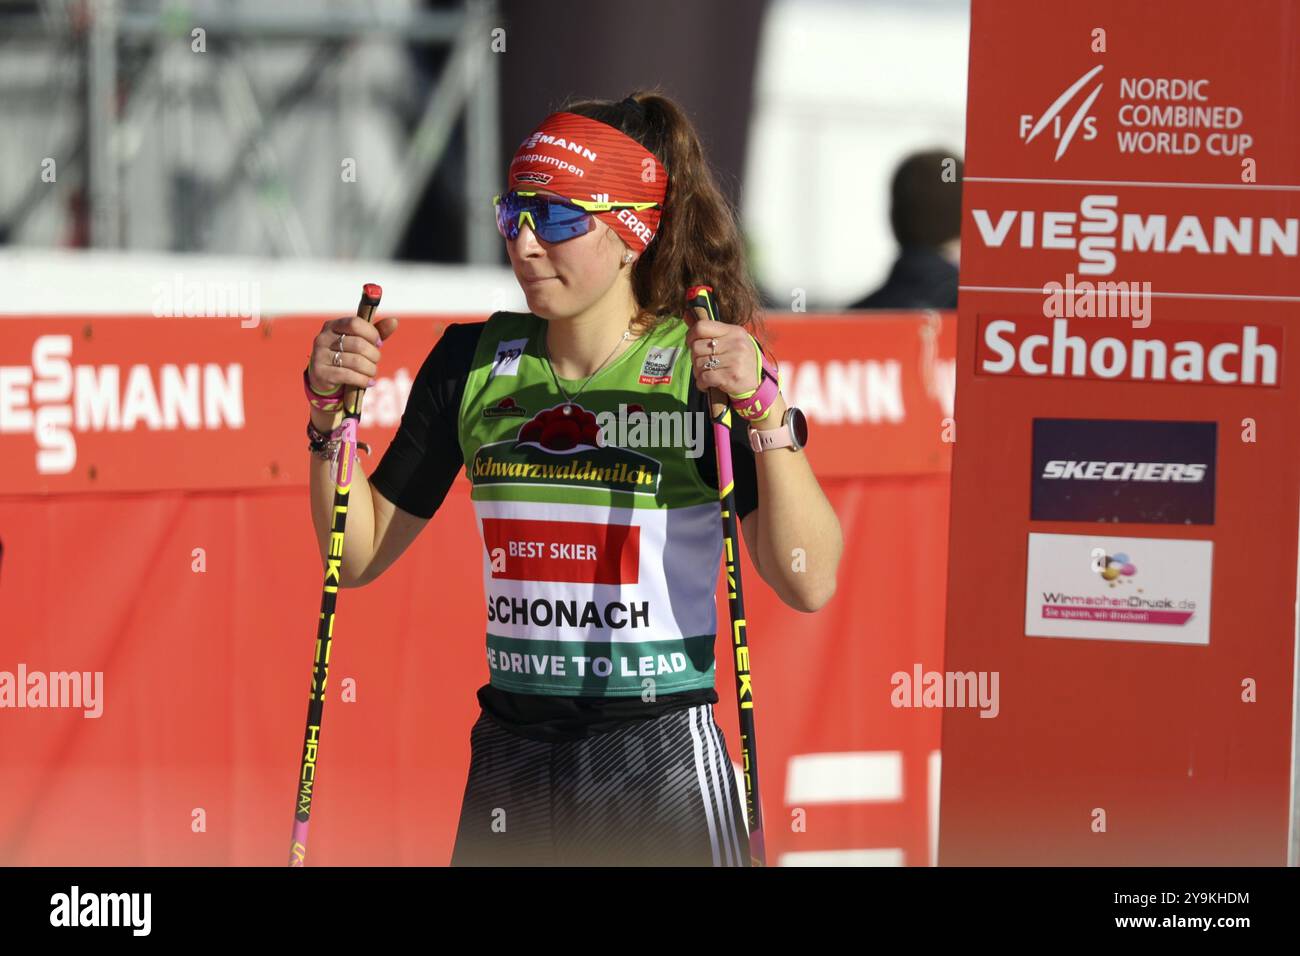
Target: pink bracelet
755,405
325,401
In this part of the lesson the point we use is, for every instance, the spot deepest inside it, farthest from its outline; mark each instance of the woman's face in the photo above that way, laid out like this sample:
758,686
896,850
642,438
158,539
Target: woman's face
562,279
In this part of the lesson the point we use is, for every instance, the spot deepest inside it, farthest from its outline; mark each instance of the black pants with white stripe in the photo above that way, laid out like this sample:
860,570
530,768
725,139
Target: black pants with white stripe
654,792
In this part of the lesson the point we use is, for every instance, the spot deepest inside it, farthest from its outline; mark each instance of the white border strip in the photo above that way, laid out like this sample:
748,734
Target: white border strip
1127,182
844,777
1154,295
876,856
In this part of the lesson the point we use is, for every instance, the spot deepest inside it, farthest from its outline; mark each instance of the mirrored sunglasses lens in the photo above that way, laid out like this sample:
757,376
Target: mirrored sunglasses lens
555,221
565,222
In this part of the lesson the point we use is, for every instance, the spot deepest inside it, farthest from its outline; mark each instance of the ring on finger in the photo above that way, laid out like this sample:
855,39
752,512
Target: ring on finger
713,344
338,358
342,336
712,363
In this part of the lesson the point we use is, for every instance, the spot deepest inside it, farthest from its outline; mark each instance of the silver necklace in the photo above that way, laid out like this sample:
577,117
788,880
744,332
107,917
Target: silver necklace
568,406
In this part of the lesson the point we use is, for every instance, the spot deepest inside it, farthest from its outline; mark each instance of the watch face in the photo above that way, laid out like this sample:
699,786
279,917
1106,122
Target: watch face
798,427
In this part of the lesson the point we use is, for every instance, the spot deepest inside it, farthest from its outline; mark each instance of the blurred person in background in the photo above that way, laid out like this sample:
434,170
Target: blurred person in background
925,215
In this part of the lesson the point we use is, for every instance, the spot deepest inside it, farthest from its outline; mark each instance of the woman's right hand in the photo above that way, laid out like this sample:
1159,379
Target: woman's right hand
359,360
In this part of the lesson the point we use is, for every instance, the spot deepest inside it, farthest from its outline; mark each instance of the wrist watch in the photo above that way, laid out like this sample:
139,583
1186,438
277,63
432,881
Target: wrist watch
791,433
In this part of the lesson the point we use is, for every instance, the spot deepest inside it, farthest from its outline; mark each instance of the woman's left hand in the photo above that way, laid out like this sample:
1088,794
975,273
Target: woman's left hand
736,371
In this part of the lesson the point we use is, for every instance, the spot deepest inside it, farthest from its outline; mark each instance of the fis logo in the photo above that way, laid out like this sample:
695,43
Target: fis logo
657,369
1052,116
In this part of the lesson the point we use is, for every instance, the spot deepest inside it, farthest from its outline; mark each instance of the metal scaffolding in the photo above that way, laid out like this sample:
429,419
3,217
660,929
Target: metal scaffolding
140,81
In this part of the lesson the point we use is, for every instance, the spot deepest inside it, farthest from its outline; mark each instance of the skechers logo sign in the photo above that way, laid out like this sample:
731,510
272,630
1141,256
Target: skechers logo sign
1185,352
1102,229
1154,472
1052,116
1124,471
102,909
559,142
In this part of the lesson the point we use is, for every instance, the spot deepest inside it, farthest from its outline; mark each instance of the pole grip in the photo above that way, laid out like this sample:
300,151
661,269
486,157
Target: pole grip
701,304
371,293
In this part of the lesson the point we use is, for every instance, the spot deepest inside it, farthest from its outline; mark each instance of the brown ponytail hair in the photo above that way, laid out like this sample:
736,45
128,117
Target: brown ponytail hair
698,242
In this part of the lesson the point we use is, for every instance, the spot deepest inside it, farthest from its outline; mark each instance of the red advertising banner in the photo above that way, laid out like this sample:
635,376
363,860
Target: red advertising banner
160,561
142,404
1126,480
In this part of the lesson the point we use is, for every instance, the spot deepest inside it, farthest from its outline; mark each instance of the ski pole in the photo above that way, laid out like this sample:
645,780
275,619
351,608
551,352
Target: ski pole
701,300
345,456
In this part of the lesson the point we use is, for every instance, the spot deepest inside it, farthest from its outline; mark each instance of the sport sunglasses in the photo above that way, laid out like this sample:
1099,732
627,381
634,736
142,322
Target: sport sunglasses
551,218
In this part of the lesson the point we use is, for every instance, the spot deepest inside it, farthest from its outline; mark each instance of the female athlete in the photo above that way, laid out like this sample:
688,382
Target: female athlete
583,426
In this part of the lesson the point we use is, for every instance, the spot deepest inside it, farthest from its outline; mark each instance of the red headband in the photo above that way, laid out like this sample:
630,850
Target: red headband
582,158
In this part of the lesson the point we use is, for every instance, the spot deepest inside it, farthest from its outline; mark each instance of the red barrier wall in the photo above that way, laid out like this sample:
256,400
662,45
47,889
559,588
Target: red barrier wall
206,671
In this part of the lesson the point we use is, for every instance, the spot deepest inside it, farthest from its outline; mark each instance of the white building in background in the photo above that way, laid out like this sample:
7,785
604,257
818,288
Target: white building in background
845,89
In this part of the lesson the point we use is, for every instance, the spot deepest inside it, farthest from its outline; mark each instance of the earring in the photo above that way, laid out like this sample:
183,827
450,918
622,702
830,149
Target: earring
627,257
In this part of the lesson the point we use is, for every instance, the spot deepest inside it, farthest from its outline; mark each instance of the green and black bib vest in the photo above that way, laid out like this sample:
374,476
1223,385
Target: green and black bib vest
601,542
